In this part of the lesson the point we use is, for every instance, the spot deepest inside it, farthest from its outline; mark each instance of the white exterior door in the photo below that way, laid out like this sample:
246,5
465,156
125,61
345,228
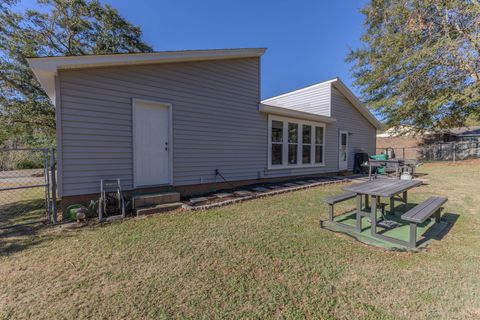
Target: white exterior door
152,145
343,150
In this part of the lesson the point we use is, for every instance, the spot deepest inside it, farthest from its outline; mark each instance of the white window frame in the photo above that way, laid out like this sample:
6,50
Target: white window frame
300,123
315,144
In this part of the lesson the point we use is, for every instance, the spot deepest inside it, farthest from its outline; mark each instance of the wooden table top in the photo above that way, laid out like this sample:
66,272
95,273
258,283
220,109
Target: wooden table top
382,187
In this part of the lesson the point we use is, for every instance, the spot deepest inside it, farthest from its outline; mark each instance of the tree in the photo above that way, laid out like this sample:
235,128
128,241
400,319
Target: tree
419,65
64,27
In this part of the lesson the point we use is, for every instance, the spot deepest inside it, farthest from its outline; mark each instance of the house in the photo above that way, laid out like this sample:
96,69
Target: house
460,134
179,119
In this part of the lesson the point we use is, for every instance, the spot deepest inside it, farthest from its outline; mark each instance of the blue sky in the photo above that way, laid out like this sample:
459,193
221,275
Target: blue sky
307,41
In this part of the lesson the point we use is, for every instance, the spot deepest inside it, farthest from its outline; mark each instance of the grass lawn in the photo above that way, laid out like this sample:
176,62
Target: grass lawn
21,206
266,258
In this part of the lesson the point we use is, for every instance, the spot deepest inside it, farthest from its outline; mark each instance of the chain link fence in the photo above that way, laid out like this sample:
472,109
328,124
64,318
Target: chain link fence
446,151
27,186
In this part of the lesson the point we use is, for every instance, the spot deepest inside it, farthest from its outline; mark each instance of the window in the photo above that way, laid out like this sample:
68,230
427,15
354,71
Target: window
306,144
318,144
277,142
295,143
292,143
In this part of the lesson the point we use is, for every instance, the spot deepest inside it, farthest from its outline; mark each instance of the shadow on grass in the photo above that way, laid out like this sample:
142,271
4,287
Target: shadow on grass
420,174
20,225
21,212
432,233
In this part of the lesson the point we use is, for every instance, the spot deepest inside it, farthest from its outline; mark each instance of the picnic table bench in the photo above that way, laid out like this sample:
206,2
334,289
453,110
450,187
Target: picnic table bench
331,201
420,213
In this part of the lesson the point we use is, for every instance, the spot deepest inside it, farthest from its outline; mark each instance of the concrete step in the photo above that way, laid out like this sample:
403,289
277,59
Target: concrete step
158,208
198,201
153,199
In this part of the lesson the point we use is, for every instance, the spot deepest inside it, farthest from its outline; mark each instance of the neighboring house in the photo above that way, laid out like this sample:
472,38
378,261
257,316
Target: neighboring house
179,118
461,134
431,145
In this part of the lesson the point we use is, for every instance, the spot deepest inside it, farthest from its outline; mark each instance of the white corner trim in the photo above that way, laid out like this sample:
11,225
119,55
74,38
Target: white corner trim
59,135
290,113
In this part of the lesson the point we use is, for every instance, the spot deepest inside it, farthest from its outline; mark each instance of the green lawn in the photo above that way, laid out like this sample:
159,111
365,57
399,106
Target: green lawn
265,258
22,206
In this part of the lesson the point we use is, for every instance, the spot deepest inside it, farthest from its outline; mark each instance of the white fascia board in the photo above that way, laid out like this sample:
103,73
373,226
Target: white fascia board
290,113
46,68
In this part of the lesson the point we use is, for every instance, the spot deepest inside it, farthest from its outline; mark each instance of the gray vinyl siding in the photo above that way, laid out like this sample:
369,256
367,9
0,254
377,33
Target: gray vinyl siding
314,99
362,134
362,138
216,123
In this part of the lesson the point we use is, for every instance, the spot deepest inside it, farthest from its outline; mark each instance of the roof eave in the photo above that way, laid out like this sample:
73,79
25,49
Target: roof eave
45,68
299,90
346,92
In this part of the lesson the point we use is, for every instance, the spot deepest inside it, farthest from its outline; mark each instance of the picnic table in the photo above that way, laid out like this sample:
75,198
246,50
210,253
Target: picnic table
376,189
393,165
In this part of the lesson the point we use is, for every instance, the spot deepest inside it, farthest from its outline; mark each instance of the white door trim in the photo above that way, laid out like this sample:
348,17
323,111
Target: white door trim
340,132
170,140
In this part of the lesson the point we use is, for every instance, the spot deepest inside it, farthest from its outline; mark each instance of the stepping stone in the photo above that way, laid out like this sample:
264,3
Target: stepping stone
195,201
223,195
114,218
260,189
242,193
275,187
290,185
159,208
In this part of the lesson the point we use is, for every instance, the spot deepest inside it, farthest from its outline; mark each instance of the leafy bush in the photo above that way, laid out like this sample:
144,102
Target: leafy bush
21,159
29,164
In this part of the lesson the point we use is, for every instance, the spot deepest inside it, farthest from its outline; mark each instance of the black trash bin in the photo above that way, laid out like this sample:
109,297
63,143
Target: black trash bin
360,158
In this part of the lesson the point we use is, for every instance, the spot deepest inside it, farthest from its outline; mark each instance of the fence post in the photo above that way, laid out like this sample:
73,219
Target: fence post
454,145
403,152
46,172
54,185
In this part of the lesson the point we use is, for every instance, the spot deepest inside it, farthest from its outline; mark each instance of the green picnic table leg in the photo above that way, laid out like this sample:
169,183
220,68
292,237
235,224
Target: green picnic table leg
413,236
373,216
359,213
